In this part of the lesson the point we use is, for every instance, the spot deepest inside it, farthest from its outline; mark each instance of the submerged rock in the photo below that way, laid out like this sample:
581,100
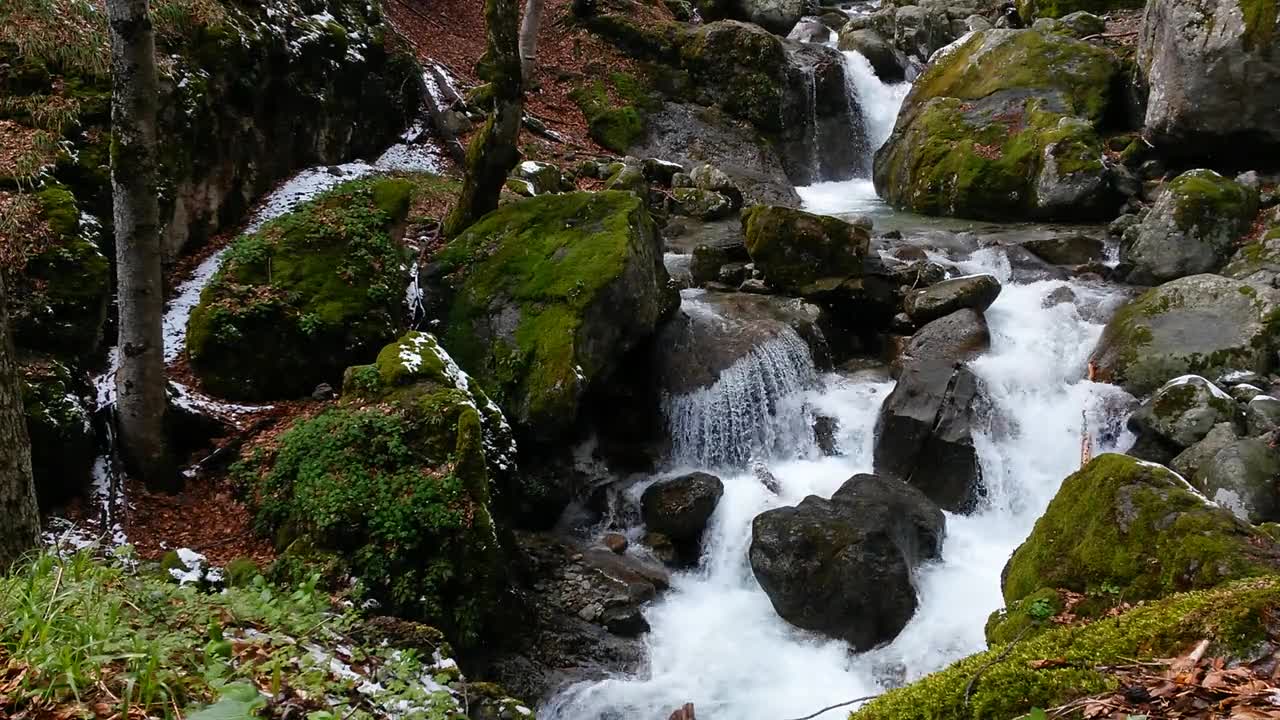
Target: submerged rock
1202,324
795,249
976,292
924,433
1003,125
1192,228
312,292
530,294
1126,525
1214,78
843,567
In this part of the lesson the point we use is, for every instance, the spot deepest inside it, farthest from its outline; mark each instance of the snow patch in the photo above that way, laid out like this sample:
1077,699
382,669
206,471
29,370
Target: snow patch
1196,380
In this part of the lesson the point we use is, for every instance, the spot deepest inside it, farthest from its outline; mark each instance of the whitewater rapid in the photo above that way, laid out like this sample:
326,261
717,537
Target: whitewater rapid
715,640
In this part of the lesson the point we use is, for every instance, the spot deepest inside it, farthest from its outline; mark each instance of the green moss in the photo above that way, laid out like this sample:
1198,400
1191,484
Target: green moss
1259,23
794,249
58,207
1119,522
1206,200
1010,683
615,127
241,572
523,278
1026,617
307,295
745,67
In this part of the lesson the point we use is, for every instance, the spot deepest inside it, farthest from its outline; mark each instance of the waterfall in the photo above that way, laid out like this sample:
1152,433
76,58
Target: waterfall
878,102
750,411
811,95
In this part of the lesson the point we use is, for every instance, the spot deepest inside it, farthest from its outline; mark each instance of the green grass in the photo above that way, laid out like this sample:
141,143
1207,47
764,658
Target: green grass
83,634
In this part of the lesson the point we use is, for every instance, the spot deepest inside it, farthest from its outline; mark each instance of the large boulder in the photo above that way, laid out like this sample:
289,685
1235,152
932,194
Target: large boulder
955,337
1240,475
884,58
681,507
1003,125
924,433
312,292
843,567
1184,410
396,486
63,445
795,249
1214,77
975,292
530,294
776,16
1122,524
1201,324
1192,228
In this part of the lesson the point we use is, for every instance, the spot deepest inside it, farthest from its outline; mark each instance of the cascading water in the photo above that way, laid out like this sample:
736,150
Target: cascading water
714,638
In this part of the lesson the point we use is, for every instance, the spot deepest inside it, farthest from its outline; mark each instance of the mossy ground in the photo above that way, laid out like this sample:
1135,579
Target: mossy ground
1136,527
310,293
1010,682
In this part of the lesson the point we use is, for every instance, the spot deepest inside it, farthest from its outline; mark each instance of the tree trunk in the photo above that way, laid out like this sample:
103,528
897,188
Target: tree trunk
140,382
529,38
19,518
493,151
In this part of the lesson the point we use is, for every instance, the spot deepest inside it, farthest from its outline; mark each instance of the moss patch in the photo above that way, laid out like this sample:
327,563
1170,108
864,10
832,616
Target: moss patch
1259,23
307,295
1137,527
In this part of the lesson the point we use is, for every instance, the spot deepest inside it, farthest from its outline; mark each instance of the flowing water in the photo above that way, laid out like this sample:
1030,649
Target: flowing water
715,639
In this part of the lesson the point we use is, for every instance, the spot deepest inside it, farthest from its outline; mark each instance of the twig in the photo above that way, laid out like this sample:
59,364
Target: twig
1130,33
838,705
968,690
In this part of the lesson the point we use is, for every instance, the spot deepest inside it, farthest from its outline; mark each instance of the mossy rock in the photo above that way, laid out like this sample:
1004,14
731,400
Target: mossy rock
63,445
61,297
1004,126
1202,324
396,492
530,294
744,67
795,249
1193,227
241,572
1138,528
310,293
1007,682
1029,616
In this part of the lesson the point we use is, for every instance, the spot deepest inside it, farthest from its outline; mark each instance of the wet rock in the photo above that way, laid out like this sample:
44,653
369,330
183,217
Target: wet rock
924,433
681,507
1214,80
1193,228
975,292
955,337
1184,410
701,204
755,286
795,249
1244,393
843,567
542,177
877,50
1138,527
1202,324
1047,166
921,30
824,433
1241,477
662,547
776,16
1059,296
766,478
1189,462
661,172
1069,250
617,542
1083,24
733,274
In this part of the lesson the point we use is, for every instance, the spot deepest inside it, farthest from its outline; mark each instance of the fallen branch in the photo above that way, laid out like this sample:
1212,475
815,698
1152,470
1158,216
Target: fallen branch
968,690
1109,36
838,705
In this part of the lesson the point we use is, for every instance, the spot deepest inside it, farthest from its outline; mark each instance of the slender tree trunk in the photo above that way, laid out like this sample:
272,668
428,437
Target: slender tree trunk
19,518
493,151
140,383
529,38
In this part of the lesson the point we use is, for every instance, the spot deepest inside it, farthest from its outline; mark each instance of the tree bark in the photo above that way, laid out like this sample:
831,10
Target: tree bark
19,518
529,38
493,150
140,382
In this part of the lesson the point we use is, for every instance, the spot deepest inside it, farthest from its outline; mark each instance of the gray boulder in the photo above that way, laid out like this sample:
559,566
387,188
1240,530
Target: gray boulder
1189,462
1074,249
1262,415
1192,228
878,51
1241,477
701,204
1214,77
1083,24
843,567
924,433
976,292
1201,324
1184,410
919,31
955,337
776,16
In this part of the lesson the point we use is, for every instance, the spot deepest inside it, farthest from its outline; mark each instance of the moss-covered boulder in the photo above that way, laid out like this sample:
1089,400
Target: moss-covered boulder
1004,126
1008,682
58,422
1138,528
795,249
744,66
1184,410
1193,227
310,293
395,485
532,299
59,281
1202,324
